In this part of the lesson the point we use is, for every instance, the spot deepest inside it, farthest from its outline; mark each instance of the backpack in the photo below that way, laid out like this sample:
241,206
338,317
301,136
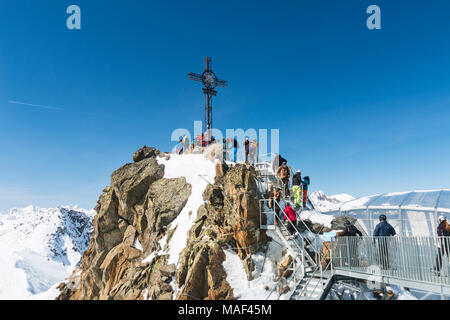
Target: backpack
307,180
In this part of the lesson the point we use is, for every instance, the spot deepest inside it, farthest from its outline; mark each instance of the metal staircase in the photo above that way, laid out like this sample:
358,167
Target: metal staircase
411,259
313,284
307,273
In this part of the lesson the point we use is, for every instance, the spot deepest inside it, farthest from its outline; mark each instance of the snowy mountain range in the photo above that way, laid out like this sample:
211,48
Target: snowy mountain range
322,202
39,248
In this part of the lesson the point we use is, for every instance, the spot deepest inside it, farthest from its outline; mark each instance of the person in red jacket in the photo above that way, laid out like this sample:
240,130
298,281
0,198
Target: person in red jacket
290,214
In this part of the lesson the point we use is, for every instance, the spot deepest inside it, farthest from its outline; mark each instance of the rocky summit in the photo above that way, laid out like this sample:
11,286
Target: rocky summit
127,255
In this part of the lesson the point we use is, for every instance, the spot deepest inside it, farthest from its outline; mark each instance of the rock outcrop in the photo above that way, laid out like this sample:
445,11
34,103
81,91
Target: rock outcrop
229,220
125,259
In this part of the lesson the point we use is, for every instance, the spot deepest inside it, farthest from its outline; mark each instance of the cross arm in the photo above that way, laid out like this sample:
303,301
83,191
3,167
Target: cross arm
222,83
194,76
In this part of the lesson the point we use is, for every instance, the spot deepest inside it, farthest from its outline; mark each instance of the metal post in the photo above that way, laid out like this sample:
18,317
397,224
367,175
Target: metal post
348,253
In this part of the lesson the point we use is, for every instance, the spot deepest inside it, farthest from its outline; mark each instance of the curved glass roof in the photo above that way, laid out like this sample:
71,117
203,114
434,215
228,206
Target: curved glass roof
419,200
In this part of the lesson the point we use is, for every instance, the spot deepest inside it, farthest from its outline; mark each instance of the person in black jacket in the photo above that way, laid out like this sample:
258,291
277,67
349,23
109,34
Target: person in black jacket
384,230
247,148
296,188
443,230
236,147
353,249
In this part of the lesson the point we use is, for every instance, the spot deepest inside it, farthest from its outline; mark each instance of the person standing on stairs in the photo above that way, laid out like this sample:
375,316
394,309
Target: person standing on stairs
284,173
297,189
305,184
289,214
274,203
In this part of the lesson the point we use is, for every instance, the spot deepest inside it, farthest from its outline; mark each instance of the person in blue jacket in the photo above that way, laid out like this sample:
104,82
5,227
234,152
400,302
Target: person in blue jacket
383,230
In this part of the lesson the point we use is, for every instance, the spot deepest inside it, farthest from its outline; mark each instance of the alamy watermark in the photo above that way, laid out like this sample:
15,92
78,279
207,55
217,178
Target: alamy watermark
374,21
73,22
233,140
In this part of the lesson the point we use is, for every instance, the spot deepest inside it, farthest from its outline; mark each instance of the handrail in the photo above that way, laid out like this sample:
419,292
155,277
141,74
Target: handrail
418,259
314,272
281,278
296,231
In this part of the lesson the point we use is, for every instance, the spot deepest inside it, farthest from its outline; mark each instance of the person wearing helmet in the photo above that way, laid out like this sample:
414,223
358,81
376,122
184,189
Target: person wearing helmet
383,230
305,184
296,188
443,232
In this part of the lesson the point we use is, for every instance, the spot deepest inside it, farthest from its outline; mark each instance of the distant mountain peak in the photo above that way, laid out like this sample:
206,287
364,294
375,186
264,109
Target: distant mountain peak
40,247
322,202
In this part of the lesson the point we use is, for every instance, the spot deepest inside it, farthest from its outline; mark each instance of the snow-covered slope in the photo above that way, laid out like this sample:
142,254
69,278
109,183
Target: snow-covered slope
39,248
322,202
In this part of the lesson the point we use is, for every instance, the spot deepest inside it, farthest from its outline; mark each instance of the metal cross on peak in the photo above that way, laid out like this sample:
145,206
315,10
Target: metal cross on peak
210,82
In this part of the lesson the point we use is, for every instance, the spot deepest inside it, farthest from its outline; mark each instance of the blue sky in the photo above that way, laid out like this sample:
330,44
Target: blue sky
359,111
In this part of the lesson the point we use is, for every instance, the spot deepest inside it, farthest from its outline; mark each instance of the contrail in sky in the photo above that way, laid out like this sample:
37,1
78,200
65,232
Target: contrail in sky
45,107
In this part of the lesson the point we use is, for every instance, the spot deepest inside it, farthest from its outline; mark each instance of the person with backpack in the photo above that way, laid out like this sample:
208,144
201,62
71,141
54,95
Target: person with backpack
289,214
284,173
383,231
297,188
305,184
443,230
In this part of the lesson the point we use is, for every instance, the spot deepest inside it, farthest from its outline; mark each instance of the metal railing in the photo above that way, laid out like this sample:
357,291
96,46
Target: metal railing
300,269
422,259
317,274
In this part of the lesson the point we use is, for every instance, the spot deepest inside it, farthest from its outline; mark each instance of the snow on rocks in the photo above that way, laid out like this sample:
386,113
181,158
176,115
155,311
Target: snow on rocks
264,281
198,171
39,248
